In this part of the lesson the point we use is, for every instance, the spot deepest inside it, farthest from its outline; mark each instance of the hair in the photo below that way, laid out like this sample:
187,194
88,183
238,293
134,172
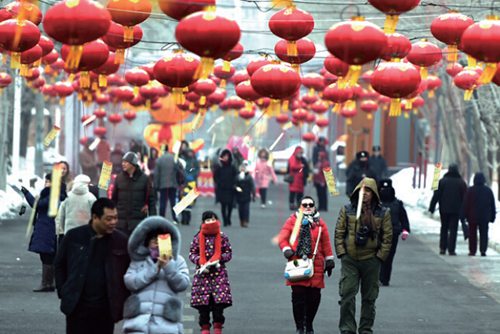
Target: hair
48,177
207,215
65,178
100,204
308,197
165,148
264,152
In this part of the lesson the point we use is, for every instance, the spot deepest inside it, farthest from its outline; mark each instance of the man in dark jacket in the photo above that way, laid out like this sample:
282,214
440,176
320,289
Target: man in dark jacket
449,195
378,164
90,266
133,194
357,170
320,147
165,181
225,185
479,209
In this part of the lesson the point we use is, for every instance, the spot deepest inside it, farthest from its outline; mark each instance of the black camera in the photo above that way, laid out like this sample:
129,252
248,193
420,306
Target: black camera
362,236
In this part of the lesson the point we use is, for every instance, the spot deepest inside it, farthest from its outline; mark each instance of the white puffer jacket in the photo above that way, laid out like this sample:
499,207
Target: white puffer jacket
75,210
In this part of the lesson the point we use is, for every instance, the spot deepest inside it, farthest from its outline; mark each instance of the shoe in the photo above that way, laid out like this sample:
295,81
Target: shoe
205,329
47,283
483,253
452,254
442,252
217,328
310,332
472,254
263,206
270,202
383,283
300,331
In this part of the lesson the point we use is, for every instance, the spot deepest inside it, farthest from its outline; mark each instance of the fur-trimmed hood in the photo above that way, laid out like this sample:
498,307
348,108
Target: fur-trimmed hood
136,248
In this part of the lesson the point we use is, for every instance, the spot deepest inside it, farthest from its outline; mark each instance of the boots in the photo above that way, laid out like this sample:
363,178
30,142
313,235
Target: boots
205,329
47,284
217,328
244,223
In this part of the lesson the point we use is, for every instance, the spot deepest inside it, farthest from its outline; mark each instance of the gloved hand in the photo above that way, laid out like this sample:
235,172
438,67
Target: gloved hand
329,265
288,253
405,235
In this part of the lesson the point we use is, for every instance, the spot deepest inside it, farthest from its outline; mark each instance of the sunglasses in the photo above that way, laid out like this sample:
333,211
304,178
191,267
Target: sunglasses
308,205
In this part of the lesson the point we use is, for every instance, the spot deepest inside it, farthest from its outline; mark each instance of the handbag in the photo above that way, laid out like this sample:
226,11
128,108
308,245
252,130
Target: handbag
288,178
299,269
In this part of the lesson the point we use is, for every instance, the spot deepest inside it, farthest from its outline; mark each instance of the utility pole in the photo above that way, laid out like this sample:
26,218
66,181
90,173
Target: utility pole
4,136
16,131
39,134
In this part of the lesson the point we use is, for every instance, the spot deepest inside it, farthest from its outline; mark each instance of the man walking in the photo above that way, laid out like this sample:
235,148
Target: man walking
165,181
377,163
90,266
362,241
133,194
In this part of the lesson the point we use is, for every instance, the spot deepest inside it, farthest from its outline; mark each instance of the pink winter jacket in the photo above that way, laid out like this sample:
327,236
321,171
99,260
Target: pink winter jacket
263,174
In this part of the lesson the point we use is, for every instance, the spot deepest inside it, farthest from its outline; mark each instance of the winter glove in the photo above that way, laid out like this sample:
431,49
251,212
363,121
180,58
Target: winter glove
288,253
405,235
329,265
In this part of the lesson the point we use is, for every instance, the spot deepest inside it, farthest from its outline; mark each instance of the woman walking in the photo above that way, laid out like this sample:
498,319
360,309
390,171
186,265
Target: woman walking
225,183
245,193
320,181
263,175
302,233
297,173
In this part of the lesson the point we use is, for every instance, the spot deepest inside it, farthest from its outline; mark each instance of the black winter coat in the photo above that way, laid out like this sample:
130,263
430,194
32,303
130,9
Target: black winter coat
248,189
356,171
225,183
71,269
399,217
479,203
130,194
450,194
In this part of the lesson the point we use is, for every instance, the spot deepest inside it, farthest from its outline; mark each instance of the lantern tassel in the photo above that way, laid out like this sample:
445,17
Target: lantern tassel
452,56
336,109
226,66
391,21
74,56
198,119
285,105
348,121
291,49
353,75
203,100
342,82
296,67
103,80
84,79
128,34
15,60
395,108
274,108
311,91
205,68
424,72
281,3
178,95
471,61
223,83
431,94
407,115
120,56
408,104
24,71
488,73
468,94
369,116
136,90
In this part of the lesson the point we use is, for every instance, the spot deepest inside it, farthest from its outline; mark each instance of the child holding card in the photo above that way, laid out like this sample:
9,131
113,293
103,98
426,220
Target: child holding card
156,277
210,251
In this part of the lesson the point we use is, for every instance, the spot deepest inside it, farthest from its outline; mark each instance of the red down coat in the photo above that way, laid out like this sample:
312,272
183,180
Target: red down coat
324,250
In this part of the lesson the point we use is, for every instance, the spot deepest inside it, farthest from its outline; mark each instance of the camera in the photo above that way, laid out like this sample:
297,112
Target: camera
362,236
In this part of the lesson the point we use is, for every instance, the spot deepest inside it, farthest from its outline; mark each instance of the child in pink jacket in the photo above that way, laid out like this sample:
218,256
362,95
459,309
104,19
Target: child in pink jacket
263,174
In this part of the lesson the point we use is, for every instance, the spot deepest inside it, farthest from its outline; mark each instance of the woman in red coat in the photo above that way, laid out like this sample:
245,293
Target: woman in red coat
298,169
297,239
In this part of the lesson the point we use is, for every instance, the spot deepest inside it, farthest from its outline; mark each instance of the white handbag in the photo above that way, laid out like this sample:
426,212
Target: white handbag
300,270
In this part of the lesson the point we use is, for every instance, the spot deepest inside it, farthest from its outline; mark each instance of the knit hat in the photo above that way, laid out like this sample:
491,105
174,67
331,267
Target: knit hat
376,148
362,154
132,158
82,178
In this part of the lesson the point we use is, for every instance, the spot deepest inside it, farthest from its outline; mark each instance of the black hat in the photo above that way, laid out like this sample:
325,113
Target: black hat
362,154
376,148
385,183
132,158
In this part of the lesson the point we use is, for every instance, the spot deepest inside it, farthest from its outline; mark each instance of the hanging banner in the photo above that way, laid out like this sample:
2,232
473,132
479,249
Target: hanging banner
330,181
55,190
89,121
49,138
437,175
296,227
105,177
165,246
186,201
94,144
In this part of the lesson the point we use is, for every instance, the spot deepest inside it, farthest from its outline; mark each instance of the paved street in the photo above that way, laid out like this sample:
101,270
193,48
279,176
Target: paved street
429,293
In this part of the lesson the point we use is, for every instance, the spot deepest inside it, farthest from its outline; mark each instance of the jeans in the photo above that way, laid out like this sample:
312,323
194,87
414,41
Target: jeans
448,234
322,197
263,195
483,237
244,211
168,194
227,209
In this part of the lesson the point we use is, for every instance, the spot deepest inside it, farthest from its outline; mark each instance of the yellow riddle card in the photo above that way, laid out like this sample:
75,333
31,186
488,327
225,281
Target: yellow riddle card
186,201
296,227
437,175
330,181
105,177
49,138
55,189
165,245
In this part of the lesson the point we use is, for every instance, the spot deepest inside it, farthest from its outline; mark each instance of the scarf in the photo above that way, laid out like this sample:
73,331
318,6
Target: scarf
304,247
210,229
367,216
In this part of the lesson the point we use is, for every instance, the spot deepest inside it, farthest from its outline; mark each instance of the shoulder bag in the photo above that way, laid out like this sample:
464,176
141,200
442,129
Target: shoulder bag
299,269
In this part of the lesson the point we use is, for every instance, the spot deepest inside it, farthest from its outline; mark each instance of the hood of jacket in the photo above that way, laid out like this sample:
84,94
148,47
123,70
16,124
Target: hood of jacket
453,171
479,179
227,151
369,183
136,248
80,188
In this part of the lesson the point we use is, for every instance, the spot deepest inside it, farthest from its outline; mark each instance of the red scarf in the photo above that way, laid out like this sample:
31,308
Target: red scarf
210,229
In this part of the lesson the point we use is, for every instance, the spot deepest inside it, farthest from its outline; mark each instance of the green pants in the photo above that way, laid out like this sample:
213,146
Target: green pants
354,273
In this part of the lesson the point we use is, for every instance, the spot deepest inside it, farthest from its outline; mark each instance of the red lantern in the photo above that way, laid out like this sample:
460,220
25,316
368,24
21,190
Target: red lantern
322,122
217,97
46,44
263,102
18,36
116,80
418,102
109,67
204,87
300,114
308,99
129,13
369,107
355,42
453,69
336,66
311,118
337,94
398,46
291,24
234,102
101,99
277,82
246,92
100,131
130,115
329,78
93,55
314,82
254,64
31,55
100,113
424,54
320,107
63,89
115,38
433,83
50,58
150,92
240,76
75,23
395,80
38,83
282,118
448,28
23,10
223,74
305,51
233,54
247,113
349,114
393,9
136,77
5,79
178,9
33,74
308,137
208,35
123,93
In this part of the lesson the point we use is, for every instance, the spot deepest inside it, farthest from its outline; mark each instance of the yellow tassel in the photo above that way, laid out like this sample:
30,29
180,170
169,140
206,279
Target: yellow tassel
409,104
468,94
350,104
24,71
285,105
136,90
203,100
128,34
296,67
62,101
395,108
424,72
178,95
471,61
213,108
223,83
94,87
353,74
311,91
336,109
489,72
369,116
415,111
452,56
74,56
291,49
248,104
226,66
348,121
191,106
406,115
15,60
281,3
103,80
205,68
391,21
431,94
84,79
148,104
119,56
342,82
274,108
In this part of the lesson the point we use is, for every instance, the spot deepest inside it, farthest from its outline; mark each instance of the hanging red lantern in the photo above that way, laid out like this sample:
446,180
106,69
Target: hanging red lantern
100,113
46,44
336,66
277,82
75,23
156,105
369,107
247,113
116,80
263,102
398,46
308,100
122,93
424,54
448,28
28,57
349,113
178,9
337,94
136,77
282,118
50,58
322,122
100,131
208,35
233,54
305,51
246,92
102,98
355,42
63,89
300,114
37,83
150,92
177,71
130,115
418,102
314,82
393,9
329,78
254,64
311,118
129,13
5,79
395,80
240,76
217,97
291,24
235,103
223,74
115,38
22,10
109,67
454,68
433,83
320,107
204,87
18,36
308,137
33,74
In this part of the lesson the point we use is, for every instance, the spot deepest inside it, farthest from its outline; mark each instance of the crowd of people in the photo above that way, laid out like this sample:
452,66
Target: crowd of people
102,254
